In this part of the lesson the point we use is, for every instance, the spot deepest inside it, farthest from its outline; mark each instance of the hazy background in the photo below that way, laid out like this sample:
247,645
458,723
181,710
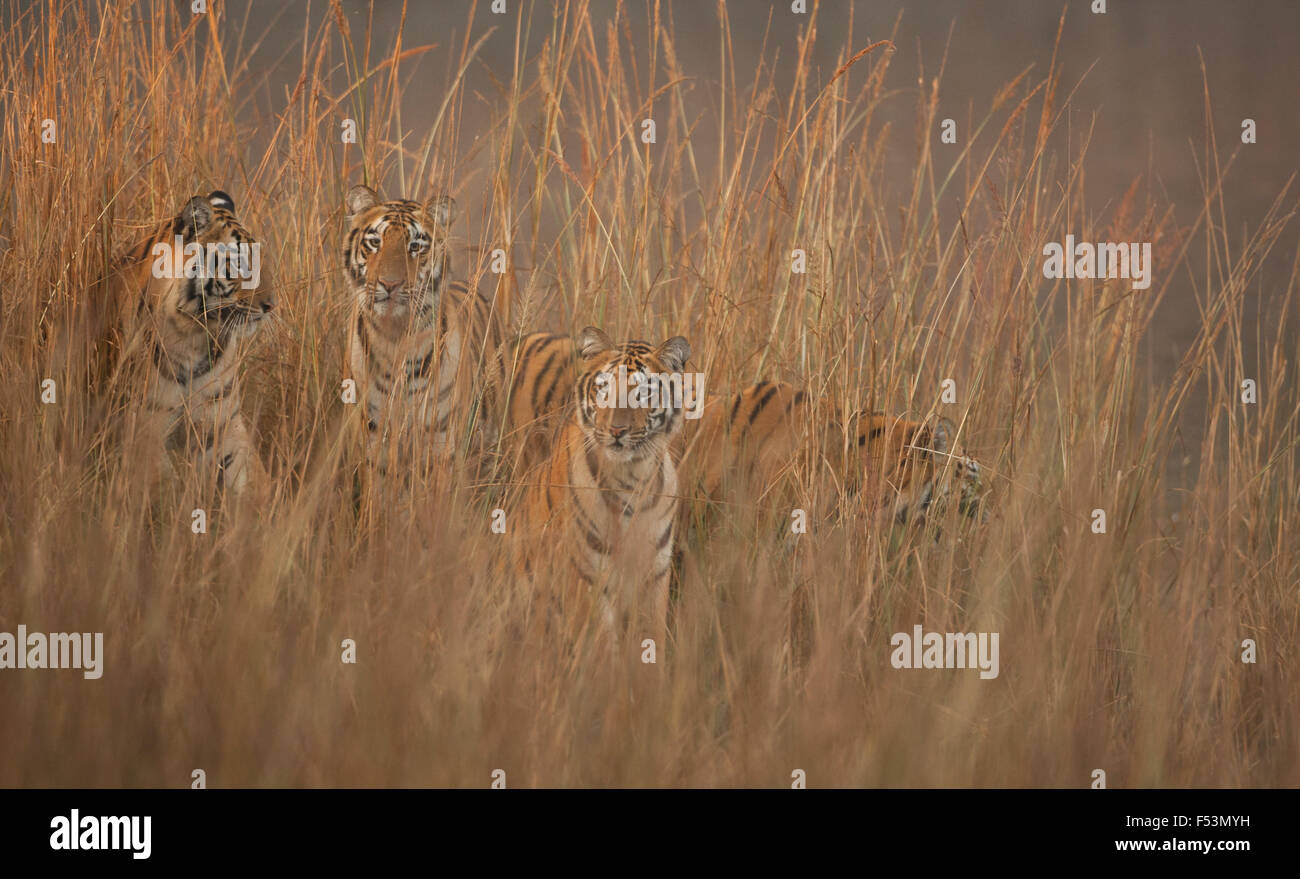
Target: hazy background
1135,75
1136,68
1122,648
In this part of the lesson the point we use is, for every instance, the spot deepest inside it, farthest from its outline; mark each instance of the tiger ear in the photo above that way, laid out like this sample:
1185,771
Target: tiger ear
443,209
675,352
220,199
196,215
360,198
942,432
591,341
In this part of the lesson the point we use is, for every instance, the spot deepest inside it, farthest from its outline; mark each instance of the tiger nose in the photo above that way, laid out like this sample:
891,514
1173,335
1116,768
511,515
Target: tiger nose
617,430
392,285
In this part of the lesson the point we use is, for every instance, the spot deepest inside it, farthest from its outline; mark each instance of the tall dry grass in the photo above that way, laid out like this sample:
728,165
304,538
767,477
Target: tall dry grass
1118,651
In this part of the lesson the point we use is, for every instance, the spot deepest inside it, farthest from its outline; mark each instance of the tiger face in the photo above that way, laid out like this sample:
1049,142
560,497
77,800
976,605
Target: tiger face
190,299
396,252
625,406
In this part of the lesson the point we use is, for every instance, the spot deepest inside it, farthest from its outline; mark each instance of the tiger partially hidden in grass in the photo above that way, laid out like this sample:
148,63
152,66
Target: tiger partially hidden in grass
749,442
772,456
422,346
600,510
749,449
181,327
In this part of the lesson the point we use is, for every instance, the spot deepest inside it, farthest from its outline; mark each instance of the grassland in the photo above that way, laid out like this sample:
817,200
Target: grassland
1120,651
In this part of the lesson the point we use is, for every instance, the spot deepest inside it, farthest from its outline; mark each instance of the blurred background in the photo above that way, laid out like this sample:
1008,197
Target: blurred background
1121,649
1133,75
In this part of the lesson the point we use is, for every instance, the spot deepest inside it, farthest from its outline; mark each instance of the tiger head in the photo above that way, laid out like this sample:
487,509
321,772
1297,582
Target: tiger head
625,405
206,272
396,252
918,462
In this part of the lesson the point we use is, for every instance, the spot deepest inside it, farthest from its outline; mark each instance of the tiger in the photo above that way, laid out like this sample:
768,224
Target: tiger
422,345
185,327
772,448
602,507
539,372
748,441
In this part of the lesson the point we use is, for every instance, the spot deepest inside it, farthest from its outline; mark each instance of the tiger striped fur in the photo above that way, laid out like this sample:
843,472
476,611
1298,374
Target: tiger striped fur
749,441
187,334
603,506
423,346
540,372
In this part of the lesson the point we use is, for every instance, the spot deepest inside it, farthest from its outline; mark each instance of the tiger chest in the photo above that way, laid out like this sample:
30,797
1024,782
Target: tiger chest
409,376
634,525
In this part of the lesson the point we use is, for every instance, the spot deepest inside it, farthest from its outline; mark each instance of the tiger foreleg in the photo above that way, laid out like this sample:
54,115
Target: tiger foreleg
238,467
